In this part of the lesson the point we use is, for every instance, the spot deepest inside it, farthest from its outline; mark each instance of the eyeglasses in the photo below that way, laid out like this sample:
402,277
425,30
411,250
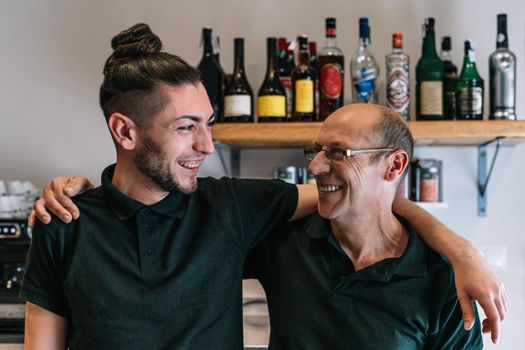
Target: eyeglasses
338,153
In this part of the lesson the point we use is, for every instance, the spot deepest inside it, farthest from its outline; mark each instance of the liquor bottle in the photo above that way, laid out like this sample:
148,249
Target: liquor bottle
429,77
303,83
398,81
331,71
216,44
450,74
502,70
469,87
238,96
312,45
285,74
271,100
364,68
210,71
290,54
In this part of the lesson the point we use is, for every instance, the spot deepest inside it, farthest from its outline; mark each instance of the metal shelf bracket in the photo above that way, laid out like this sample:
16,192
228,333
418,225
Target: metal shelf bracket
483,175
234,170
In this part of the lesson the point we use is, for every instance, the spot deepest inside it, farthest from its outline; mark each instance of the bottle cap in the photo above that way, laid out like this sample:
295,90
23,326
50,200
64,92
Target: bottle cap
330,27
430,22
313,47
364,28
303,42
271,44
397,40
239,47
446,44
282,44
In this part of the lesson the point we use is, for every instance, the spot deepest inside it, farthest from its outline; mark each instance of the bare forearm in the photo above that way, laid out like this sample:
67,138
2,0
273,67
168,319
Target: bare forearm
306,202
44,330
438,236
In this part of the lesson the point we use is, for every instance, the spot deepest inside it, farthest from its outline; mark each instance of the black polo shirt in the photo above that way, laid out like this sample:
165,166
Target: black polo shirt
318,301
166,276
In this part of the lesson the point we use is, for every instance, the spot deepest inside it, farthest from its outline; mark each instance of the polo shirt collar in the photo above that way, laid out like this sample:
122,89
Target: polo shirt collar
173,205
413,262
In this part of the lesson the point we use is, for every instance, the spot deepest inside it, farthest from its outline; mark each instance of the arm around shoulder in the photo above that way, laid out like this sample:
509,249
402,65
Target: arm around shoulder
44,330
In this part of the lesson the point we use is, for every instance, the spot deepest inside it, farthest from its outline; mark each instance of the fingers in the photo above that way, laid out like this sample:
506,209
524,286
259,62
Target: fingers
31,219
467,310
492,323
40,211
76,185
55,206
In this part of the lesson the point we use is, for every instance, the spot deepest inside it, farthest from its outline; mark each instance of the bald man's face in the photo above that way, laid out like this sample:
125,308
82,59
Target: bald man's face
353,183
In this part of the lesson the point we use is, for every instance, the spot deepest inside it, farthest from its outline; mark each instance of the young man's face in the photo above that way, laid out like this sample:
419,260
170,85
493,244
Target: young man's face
171,150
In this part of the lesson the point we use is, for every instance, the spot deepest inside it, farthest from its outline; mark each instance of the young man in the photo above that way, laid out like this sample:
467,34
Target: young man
156,258
330,277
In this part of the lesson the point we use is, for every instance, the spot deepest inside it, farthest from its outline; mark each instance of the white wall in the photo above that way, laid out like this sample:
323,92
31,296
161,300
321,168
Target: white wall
53,52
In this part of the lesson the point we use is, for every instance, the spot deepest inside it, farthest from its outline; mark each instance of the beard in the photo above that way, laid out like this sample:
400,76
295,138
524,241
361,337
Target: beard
152,161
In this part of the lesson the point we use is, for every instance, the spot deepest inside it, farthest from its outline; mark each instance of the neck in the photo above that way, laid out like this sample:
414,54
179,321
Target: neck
134,184
370,236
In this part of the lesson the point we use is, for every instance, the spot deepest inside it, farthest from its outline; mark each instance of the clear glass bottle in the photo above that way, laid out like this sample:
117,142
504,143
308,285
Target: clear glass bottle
331,71
502,72
469,87
364,68
397,78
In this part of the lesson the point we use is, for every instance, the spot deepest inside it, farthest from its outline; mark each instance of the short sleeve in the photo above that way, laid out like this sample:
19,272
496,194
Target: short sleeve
452,334
42,283
263,204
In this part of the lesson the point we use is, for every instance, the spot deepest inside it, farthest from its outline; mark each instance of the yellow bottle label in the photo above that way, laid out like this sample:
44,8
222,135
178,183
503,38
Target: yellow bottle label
272,106
304,96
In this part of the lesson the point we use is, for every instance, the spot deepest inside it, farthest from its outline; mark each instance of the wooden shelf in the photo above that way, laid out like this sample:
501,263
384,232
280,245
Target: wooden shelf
426,133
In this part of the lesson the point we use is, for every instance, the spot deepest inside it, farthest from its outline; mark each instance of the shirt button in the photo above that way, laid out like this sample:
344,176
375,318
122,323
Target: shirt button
147,230
149,252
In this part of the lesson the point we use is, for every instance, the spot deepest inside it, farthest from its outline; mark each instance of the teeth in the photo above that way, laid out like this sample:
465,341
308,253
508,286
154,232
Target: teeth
189,165
329,188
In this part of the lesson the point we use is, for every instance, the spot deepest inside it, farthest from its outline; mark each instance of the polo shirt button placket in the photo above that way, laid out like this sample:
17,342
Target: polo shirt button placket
149,252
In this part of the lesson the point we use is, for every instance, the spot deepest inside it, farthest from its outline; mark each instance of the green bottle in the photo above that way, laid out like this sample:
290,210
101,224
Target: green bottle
469,88
429,78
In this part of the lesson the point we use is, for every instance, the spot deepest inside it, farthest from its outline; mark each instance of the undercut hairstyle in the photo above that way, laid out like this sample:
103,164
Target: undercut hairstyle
393,132
135,73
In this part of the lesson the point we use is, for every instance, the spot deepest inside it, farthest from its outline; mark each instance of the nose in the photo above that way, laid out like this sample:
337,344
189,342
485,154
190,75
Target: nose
319,165
203,141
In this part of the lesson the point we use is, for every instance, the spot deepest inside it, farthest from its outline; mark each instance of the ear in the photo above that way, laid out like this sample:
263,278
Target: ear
397,163
123,130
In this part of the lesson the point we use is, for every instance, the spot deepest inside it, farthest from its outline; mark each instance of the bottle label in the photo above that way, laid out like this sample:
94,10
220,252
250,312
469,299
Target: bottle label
272,106
286,82
331,81
304,96
364,83
237,105
398,90
471,101
431,99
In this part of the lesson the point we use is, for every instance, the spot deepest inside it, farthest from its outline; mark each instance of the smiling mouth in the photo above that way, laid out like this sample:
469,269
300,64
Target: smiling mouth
190,164
329,188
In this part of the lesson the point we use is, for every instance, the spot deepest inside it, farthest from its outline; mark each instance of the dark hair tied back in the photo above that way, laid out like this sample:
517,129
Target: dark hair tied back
134,72
136,41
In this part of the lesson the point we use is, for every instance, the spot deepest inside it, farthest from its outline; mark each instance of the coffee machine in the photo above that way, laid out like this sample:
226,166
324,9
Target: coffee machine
14,244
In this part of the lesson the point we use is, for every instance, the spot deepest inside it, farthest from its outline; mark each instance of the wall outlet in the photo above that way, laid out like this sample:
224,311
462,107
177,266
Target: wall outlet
496,256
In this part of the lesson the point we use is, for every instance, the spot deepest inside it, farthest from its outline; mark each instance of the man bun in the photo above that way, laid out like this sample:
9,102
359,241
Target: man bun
137,41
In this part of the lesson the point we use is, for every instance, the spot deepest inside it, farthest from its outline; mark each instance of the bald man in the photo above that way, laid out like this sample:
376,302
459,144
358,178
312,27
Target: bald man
356,276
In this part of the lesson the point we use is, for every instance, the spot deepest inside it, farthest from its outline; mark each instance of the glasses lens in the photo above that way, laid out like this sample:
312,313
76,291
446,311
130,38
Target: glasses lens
310,152
335,153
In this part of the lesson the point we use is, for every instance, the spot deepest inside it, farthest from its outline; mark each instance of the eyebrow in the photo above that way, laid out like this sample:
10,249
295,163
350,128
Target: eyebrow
194,118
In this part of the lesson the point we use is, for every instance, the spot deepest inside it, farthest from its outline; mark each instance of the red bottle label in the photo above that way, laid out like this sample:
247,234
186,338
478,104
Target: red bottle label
331,81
